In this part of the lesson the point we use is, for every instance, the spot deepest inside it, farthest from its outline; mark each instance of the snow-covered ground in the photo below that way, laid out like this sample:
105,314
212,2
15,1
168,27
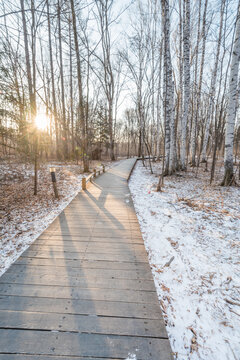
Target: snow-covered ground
192,234
23,216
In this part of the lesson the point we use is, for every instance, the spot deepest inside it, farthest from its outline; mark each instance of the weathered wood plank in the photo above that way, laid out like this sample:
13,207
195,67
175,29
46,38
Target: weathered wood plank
121,257
65,344
102,240
69,292
45,357
81,307
92,247
90,250
99,233
73,281
84,263
82,324
90,273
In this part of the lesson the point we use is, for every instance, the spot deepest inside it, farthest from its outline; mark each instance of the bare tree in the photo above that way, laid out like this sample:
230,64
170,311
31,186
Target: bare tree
104,8
31,85
186,59
55,114
80,90
232,106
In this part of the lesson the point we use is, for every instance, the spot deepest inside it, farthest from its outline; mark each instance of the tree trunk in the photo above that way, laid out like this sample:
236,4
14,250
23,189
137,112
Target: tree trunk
53,82
232,106
213,88
80,92
64,122
186,66
32,92
195,93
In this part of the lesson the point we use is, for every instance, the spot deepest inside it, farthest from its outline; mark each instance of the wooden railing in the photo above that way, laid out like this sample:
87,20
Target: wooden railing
94,174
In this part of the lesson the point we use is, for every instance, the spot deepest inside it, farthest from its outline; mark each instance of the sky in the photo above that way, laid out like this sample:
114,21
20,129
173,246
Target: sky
121,29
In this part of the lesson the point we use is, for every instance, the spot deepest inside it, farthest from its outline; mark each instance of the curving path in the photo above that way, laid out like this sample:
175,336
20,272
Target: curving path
84,288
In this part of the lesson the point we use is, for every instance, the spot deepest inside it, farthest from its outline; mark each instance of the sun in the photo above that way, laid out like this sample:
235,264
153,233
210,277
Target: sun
42,121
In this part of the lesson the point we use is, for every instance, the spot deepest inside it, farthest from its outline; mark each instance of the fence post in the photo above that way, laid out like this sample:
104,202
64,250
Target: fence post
54,182
84,184
103,167
95,173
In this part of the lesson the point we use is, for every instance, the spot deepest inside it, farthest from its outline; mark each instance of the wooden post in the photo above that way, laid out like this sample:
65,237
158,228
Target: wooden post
84,183
103,168
95,172
54,182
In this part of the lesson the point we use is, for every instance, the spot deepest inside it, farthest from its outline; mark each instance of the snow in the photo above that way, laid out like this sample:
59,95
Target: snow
24,216
131,357
191,233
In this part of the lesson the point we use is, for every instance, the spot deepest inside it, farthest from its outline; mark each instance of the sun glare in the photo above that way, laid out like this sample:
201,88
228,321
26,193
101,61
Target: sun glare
42,121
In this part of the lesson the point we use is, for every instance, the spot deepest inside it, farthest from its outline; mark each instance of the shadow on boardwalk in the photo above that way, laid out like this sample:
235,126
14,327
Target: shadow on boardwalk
84,289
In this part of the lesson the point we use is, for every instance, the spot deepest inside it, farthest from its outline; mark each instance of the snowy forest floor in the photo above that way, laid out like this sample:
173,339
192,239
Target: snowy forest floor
191,233
23,216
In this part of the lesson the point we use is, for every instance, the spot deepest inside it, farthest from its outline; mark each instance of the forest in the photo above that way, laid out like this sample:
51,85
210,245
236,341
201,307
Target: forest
119,179
83,80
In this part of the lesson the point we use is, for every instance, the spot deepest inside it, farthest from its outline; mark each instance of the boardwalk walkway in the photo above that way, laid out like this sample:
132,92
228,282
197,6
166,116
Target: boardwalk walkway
84,288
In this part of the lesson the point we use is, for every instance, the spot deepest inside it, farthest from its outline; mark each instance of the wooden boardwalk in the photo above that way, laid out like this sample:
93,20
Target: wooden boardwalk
84,288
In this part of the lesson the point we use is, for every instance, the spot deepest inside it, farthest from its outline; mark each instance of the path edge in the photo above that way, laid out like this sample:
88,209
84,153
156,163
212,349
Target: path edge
131,171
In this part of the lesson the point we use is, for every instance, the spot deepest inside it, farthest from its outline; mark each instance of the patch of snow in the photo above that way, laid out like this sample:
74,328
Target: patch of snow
131,357
191,233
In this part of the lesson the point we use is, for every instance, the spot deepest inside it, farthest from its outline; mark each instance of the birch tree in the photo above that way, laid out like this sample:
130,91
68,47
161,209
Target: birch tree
168,94
213,87
199,87
31,84
232,106
104,8
80,91
186,69
55,115
64,120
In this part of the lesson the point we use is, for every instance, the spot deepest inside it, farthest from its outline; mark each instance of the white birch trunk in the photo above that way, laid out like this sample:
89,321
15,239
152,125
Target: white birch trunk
180,106
158,152
231,107
195,119
186,66
212,89
172,160
193,135
168,101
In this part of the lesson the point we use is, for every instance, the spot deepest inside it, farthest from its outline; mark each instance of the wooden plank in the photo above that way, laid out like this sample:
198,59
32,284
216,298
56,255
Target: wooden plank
91,246
121,257
72,218
82,324
84,264
80,272
126,249
72,281
101,227
45,357
81,307
109,240
65,344
96,233
76,293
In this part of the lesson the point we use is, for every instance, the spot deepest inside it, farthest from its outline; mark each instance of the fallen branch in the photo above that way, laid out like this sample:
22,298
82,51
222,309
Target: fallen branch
234,312
232,302
169,262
